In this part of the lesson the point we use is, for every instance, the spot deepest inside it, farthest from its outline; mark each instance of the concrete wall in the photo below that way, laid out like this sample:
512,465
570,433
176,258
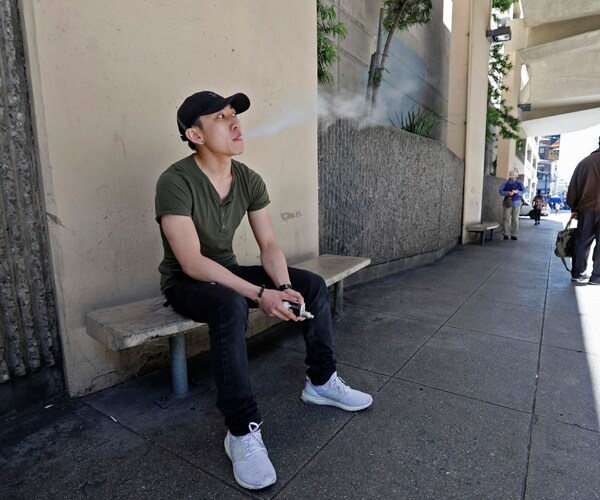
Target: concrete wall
387,194
417,69
106,80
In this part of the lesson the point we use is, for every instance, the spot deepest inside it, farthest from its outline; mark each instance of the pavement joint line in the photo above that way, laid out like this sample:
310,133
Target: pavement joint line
452,315
167,450
317,453
491,334
411,318
366,370
570,424
416,287
534,418
572,350
472,398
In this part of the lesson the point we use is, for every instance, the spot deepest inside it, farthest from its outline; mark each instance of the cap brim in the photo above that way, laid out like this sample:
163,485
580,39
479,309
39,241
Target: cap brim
239,102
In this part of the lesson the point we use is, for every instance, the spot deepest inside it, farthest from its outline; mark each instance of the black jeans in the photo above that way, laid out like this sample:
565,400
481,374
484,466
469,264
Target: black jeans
226,313
537,214
588,224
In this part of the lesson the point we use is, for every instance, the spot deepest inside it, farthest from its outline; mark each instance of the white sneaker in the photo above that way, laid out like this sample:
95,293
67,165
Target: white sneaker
252,468
335,393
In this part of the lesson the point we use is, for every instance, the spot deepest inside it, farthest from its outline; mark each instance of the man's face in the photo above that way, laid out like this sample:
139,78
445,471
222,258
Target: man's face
222,133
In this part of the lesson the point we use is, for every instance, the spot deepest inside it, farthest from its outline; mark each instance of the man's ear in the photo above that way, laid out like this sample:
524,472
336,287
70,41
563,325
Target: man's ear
193,136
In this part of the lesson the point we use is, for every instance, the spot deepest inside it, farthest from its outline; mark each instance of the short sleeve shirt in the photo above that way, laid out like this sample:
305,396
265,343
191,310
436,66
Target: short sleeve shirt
183,189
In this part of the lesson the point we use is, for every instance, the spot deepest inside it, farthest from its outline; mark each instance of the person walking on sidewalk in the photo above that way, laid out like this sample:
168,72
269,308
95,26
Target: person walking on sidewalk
200,202
583,197
512,189
538,205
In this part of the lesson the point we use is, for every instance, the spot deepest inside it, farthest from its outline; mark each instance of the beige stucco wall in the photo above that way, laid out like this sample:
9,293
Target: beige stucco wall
106,79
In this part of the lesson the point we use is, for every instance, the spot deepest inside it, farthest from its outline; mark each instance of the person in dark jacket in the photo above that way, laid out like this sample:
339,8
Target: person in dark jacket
538,205
584,199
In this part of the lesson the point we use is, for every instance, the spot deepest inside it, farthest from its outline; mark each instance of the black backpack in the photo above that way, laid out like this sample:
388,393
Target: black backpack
565,243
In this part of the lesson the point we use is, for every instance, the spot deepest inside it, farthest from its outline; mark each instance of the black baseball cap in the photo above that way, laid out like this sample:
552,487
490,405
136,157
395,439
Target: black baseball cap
205,103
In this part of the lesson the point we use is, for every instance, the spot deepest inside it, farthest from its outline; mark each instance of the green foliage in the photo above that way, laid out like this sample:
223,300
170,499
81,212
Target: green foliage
378,77
402,14
502,6
326,50
499,114
420,122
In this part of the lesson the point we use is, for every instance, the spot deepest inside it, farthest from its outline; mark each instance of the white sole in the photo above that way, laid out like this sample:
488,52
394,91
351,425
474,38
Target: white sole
317,400
237,479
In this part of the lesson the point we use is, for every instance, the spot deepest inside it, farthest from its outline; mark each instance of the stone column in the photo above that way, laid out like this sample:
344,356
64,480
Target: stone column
468,99
28,326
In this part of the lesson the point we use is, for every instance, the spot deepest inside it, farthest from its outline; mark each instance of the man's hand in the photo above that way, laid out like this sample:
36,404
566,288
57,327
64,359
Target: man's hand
574,215
271,303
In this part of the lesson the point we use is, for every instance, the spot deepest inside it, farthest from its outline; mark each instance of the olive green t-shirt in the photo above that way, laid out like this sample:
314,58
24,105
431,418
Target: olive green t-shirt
183,189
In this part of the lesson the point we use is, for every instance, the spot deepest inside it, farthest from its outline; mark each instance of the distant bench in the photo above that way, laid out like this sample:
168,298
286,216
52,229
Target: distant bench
482,228
128,325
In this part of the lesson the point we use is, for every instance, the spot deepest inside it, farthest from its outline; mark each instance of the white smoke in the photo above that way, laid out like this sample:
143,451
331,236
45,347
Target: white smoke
330,108
292,117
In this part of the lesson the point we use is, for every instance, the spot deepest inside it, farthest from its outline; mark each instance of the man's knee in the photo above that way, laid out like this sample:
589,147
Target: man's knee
306,281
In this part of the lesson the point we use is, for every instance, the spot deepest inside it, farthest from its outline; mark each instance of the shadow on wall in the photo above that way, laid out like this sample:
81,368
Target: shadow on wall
387,194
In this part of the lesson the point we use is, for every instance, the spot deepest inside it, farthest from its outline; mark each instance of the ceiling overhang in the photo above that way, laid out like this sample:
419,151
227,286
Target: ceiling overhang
560,50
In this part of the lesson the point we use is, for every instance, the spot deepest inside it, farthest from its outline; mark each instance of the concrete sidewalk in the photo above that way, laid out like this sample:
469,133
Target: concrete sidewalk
485,371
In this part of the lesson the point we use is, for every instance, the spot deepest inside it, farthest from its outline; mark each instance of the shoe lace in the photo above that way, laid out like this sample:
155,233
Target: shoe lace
253,440
339,384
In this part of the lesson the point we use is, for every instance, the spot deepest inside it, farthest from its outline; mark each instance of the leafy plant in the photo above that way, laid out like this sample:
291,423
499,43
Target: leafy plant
502,6
395,15
420,122
327,53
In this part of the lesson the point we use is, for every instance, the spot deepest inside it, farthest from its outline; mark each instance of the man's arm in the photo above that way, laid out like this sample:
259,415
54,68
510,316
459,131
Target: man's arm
573,192
183,239
502,189
271,255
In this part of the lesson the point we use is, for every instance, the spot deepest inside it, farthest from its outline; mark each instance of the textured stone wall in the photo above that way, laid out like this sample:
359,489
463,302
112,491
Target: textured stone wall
491,209
385,193
28,326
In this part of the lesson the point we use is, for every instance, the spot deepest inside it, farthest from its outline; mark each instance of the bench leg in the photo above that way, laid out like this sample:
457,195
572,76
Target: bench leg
338,298
178,365
482,238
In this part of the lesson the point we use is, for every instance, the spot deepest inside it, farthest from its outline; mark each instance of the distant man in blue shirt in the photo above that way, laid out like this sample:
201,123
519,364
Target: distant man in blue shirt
512,189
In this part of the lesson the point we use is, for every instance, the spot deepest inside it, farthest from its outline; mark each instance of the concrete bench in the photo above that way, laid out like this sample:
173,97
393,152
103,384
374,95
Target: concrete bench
128,325
482,228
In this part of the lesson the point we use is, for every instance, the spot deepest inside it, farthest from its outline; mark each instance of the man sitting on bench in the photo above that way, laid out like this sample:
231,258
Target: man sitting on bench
200,202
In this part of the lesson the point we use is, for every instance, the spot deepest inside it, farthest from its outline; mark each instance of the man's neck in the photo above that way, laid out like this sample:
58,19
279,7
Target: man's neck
213,165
